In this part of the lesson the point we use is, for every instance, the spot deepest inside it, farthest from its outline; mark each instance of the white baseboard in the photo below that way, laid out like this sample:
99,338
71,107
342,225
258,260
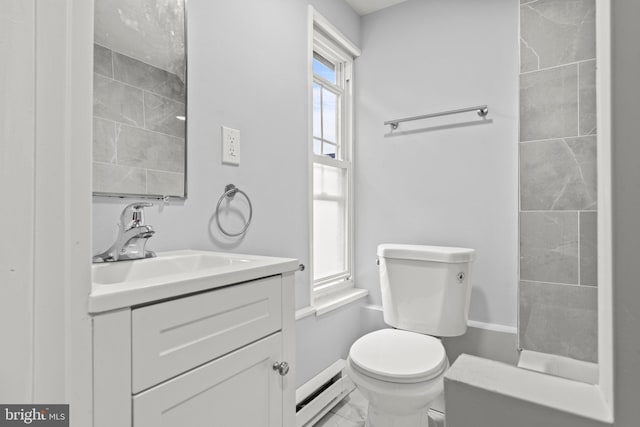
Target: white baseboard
470,323
325,400
492,327
488,340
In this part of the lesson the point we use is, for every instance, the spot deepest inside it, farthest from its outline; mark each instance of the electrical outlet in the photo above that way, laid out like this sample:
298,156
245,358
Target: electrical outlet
230,146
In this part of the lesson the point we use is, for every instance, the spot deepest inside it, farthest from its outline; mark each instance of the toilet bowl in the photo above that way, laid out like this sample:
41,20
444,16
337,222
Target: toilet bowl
400,373
425,294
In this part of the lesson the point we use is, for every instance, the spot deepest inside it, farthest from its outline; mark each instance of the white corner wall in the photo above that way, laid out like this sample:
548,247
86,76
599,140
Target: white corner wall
17,183
45,276
248,70
625,152
451,186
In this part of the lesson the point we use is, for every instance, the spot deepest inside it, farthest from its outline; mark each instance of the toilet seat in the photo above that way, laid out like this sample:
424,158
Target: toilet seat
398,356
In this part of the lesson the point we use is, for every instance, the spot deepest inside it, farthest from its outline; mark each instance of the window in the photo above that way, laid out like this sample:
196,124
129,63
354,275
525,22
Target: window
331,166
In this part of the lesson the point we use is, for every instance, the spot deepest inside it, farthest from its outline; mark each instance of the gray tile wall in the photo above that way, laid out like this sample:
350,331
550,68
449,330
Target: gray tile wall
138,141
558,200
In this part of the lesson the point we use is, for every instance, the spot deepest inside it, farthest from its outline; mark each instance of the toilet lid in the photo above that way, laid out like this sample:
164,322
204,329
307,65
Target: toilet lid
398,356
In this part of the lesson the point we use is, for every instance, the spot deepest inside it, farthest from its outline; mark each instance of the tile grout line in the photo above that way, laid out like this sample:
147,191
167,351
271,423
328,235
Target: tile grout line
579,244
137,127
158,95
558,66
559,210
144,117
114,164
164,171
578,98
577,285
129,85
137,167
113,72
558,138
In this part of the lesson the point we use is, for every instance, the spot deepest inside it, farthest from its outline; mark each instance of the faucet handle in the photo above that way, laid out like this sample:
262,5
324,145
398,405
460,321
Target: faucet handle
137,215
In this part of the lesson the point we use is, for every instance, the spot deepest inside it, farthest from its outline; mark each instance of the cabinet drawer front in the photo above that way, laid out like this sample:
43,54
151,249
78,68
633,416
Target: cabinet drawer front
172,337
240,389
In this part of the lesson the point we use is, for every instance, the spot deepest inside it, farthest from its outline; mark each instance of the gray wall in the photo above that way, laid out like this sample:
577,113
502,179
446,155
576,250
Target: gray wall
440,186
248,70
558,201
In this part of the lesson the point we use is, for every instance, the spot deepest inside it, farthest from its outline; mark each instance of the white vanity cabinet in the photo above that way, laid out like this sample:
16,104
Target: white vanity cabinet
239,389
203,359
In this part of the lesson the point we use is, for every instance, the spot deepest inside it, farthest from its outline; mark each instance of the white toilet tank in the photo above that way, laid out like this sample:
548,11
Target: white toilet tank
426,289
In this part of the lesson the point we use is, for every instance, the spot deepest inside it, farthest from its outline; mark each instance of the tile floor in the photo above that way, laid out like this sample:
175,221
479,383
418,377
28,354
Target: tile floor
350,412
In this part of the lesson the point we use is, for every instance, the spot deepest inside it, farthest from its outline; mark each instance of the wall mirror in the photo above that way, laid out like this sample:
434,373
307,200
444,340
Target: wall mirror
139,98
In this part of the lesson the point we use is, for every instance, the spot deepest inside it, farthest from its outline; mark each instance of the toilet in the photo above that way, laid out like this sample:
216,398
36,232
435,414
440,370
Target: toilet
425,296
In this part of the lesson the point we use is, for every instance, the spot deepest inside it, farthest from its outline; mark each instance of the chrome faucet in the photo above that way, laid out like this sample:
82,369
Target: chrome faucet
132,236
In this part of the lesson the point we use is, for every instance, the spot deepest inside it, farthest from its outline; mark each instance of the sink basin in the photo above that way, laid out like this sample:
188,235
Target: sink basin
123,284
164,265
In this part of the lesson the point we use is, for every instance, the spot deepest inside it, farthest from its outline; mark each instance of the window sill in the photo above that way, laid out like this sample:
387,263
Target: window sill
333,301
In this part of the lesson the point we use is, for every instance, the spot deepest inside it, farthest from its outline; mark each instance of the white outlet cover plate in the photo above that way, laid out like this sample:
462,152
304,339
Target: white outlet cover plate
230,146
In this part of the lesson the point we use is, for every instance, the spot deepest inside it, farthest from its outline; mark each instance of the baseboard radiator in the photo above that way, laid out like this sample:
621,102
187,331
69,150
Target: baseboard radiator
317,396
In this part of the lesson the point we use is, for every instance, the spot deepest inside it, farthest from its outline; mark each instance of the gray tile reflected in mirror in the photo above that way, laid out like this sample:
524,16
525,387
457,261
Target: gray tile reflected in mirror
111,178
139,140
116,101
147,77
149,150
102,61
164,115
159,182
149,30
104,140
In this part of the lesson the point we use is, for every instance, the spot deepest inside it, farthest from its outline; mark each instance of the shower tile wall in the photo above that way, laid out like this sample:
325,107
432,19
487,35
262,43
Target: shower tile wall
138,142
558,201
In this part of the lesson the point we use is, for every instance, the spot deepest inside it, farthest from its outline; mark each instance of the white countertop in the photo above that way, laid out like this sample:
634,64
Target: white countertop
140,289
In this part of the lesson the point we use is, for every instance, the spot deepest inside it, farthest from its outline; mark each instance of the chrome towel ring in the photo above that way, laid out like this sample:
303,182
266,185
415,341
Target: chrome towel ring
230,192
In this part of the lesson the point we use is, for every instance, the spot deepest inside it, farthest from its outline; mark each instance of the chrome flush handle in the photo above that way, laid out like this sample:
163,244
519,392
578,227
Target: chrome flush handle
281,367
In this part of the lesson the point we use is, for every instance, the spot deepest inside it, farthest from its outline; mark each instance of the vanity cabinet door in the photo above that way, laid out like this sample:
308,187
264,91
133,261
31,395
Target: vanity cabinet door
239,389
172,337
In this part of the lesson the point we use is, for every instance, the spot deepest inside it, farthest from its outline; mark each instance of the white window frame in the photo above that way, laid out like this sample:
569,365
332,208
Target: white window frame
328,42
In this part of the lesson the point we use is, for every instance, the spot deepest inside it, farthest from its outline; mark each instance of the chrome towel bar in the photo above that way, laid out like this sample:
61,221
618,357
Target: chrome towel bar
482,110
